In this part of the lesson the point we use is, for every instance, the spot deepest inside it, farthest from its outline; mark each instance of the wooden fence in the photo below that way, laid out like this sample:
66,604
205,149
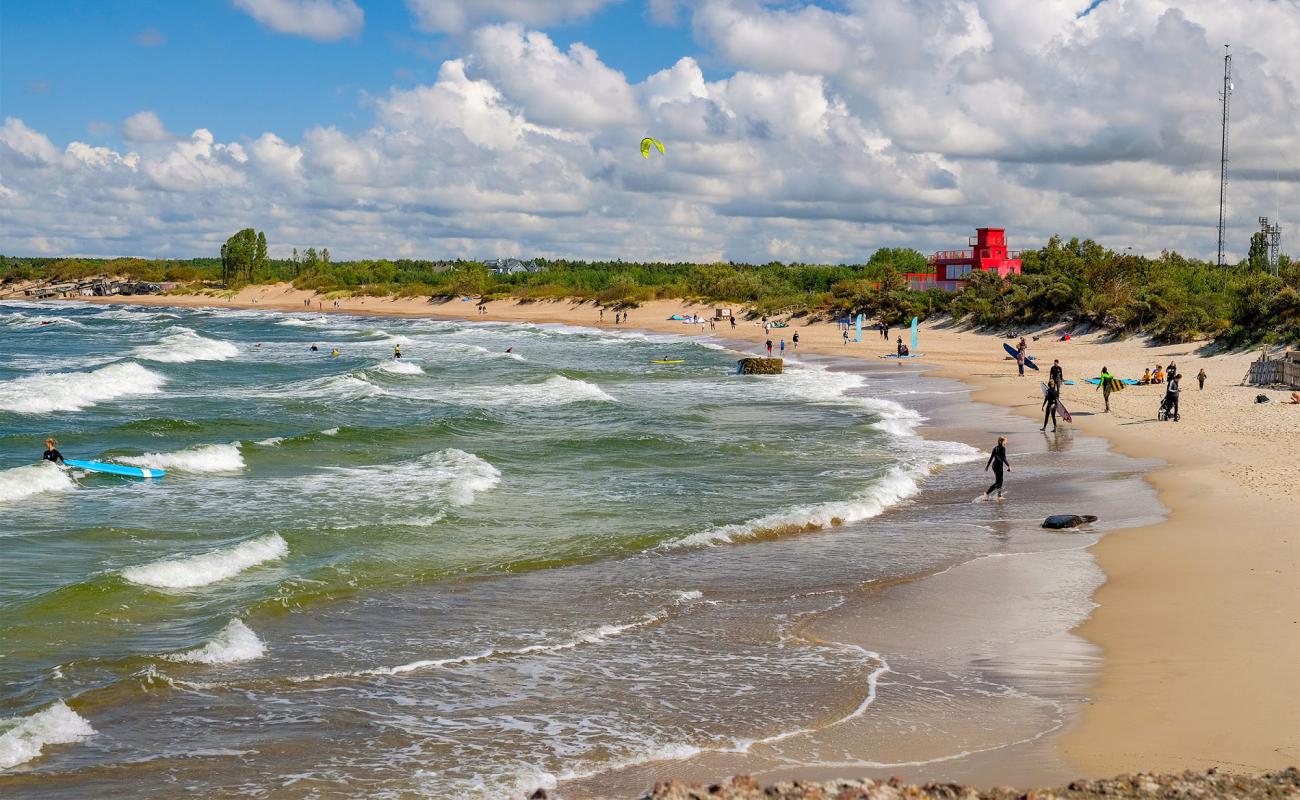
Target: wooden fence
1284,370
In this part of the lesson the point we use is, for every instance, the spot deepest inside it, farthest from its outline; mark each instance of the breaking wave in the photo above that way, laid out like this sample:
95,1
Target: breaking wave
73,391
23,738
233,643
450,476
206,568
20,482
396,367
202,460
186,346
556,390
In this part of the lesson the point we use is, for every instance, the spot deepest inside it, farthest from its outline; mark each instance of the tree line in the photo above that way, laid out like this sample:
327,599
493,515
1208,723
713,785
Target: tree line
1171,297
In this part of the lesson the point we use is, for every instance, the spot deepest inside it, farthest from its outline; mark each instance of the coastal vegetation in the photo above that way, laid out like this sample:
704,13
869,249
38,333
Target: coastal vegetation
1170,297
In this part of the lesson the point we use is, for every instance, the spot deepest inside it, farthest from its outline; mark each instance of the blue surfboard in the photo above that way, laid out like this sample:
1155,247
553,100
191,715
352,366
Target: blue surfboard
1029,360
114,469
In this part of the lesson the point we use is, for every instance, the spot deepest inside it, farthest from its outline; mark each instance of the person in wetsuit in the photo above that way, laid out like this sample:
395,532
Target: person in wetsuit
51,452
1049,403
998,461
1056,374
397,351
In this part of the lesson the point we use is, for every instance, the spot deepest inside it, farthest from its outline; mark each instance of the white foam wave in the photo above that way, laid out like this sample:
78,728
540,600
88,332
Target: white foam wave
128,315
556,390
206,568
396,367
202,460
20,482
233,643
447,477
294,322
23,738
273,441
186,346
896,485
586,637
336,387
330,432
73,391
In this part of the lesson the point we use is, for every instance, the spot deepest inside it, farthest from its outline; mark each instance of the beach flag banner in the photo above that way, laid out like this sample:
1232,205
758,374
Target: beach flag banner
857,337
913,351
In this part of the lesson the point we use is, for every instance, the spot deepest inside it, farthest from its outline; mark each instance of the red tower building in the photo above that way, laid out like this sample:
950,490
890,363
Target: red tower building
988,253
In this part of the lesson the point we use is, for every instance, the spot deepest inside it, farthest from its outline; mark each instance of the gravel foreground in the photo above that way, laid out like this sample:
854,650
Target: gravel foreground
1198,785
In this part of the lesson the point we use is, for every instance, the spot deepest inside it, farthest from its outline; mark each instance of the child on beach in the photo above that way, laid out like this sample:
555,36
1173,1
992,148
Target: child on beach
1200,379
769,348
846,335
796,340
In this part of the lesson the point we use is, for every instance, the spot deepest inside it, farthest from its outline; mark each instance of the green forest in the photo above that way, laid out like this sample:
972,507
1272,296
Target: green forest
1170,297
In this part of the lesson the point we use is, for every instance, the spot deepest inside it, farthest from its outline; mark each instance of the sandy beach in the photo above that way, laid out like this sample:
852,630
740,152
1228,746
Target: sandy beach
1199,616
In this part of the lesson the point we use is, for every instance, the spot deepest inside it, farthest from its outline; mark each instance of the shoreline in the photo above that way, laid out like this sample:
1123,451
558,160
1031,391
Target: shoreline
1198,613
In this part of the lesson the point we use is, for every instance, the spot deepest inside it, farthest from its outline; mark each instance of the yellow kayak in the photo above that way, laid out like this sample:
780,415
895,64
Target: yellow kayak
667,361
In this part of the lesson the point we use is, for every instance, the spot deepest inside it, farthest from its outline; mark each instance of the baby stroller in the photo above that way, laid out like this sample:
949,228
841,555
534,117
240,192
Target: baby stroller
1168,409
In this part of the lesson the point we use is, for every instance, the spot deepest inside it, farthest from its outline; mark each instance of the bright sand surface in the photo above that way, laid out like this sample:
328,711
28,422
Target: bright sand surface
1199,619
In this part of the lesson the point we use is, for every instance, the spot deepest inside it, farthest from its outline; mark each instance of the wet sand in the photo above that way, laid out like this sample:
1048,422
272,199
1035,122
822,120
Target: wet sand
1199,616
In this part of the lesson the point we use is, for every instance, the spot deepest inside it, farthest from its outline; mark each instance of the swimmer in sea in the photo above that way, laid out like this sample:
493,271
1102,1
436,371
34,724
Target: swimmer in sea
314,348
397,351
51,452
334,353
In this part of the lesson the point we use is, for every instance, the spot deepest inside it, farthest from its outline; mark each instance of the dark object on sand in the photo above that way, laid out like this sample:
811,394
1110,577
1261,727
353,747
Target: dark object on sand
1058,521
1261,398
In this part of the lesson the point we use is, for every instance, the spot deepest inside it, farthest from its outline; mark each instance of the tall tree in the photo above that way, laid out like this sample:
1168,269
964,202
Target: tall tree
1257,256
325,255
240,255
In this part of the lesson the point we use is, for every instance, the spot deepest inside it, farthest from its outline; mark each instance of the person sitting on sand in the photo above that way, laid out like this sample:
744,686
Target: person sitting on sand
1158,376
1146,376
900,347
1295,399
52,452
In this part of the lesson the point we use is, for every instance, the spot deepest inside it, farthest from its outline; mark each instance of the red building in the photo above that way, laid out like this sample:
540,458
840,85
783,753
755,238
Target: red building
988,253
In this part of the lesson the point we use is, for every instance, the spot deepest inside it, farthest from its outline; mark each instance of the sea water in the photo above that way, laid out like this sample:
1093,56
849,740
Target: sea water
518,555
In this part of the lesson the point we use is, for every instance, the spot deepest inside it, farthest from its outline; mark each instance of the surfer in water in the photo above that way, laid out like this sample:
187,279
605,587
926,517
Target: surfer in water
998,461
397,351
52,452
1050,397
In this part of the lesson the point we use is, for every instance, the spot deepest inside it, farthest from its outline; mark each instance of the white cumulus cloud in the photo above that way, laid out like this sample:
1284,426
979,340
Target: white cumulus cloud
458,16
322,20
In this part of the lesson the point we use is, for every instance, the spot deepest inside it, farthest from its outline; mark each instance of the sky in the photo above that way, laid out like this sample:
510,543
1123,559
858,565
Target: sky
794,131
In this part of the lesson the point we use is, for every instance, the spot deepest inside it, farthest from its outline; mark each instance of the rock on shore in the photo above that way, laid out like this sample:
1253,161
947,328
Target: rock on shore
1195,785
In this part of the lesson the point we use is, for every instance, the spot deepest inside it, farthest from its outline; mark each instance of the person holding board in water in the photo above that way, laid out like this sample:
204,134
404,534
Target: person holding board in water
998,461
51,452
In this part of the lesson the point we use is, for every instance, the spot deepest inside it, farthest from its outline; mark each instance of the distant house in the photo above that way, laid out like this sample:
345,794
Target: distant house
511,266
952,268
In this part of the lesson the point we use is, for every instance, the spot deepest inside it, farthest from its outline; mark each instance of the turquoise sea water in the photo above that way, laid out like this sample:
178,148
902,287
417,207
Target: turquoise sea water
464,573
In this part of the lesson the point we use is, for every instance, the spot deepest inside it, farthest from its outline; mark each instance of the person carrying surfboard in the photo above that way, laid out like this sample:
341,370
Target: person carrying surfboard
1022,351
1050,397
51,452
1106,382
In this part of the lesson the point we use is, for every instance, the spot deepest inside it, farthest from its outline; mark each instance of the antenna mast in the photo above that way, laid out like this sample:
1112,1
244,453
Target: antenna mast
1226,96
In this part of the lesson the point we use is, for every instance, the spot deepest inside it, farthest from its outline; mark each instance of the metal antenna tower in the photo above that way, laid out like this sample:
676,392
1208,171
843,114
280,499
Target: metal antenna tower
1272,241
1226,96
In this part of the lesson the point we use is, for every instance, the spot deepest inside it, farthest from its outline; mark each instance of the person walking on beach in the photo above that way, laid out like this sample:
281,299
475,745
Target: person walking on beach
783,348
1056,374
998,461
602,313
1171,397
795,339
846,335
1104,383
1021,350
733,323
1050,397
1200,379
769,348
